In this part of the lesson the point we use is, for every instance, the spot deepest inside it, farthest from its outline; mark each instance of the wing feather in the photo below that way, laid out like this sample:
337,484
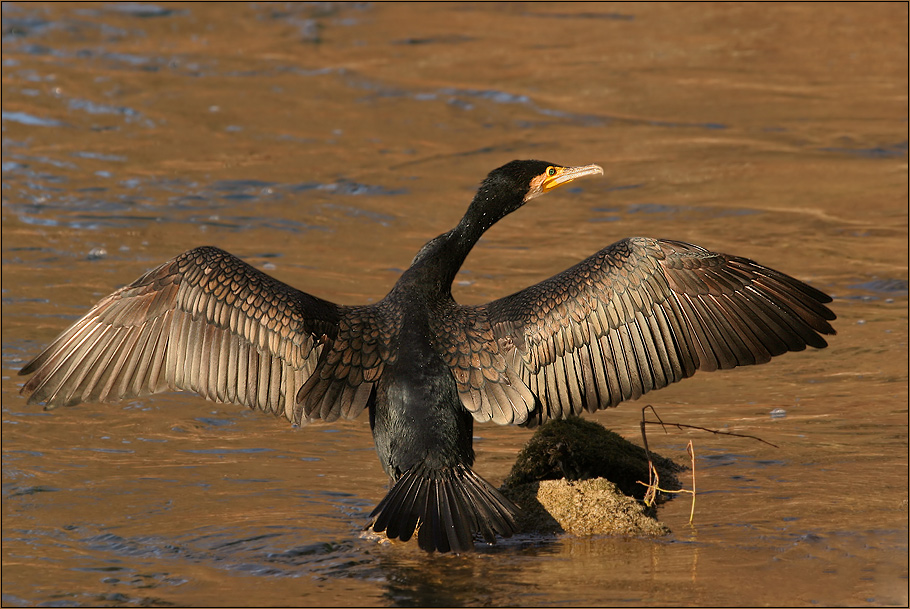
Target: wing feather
204,321
637,316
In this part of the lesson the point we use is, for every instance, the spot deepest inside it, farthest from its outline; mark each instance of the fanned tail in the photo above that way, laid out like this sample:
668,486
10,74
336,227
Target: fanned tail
446,507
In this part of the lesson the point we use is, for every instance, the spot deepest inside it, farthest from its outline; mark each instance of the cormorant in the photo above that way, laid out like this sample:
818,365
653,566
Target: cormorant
637,315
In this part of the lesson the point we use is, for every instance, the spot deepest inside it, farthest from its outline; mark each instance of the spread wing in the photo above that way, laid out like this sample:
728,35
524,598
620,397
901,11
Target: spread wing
210,323
636,316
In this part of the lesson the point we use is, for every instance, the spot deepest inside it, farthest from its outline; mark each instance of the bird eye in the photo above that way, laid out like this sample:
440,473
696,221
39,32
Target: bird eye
551,171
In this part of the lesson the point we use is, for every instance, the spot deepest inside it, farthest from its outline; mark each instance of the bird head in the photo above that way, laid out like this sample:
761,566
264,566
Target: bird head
503,191
509,187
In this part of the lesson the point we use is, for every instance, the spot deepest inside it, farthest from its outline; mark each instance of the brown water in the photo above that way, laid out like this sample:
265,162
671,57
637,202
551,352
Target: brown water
325,144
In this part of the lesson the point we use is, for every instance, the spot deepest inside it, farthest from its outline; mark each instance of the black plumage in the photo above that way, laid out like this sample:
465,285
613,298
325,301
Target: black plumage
636,316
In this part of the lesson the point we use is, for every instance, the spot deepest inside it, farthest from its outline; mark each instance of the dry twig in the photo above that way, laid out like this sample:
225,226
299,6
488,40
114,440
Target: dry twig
653,484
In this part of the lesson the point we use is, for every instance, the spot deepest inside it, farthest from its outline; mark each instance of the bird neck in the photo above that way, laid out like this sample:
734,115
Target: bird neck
438,262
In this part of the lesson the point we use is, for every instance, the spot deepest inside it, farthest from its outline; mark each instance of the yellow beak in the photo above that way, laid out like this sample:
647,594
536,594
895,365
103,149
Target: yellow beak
556,176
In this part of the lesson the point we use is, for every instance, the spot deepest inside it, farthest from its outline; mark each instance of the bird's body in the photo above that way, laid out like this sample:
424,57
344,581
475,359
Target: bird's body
636,316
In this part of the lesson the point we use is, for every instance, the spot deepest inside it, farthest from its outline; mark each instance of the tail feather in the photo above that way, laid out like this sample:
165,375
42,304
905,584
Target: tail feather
493,512
404,502
465,537
446,508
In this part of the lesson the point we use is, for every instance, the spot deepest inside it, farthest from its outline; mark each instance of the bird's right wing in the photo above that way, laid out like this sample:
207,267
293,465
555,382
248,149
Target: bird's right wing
205,322
636,316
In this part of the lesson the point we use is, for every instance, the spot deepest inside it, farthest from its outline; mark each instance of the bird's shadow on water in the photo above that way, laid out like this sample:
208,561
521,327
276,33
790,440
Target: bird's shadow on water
487,577
440,581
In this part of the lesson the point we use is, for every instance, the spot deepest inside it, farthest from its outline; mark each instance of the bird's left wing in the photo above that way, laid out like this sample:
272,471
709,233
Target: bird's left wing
636,316
204,321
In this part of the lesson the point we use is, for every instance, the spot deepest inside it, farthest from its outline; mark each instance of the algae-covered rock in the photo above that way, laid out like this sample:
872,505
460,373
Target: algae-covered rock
582,507
578,477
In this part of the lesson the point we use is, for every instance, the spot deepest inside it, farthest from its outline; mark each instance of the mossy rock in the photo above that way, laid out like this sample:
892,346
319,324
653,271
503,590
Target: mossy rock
582,507
576,449
578,477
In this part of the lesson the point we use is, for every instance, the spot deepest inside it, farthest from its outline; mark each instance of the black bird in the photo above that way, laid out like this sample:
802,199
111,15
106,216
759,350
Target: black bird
636,316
